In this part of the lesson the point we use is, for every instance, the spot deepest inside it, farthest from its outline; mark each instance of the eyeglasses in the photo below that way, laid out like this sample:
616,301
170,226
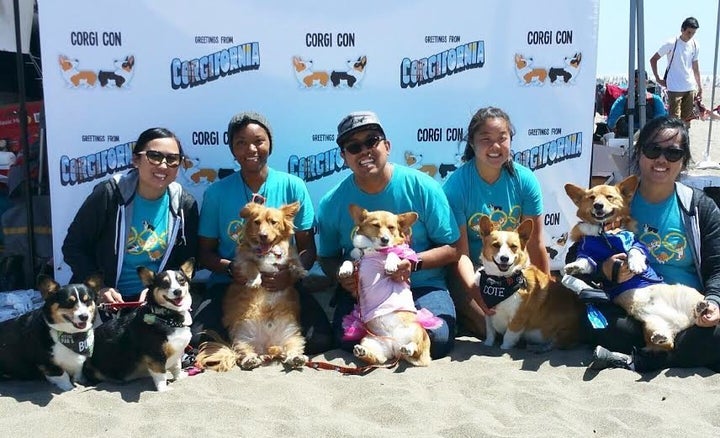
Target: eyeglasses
156,158
368,143
672,153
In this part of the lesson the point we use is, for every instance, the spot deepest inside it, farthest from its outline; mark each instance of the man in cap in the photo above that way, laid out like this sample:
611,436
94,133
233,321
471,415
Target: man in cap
376,184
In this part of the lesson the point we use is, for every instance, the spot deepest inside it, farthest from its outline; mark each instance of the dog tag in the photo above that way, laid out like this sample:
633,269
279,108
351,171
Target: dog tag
597,319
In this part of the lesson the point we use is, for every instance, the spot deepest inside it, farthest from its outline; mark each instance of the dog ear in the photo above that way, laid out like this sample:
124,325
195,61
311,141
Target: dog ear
405,221
95,281
357,213
628,186
146,276
576,193
188,267
525,230
47,286
486,225
290,210
249,210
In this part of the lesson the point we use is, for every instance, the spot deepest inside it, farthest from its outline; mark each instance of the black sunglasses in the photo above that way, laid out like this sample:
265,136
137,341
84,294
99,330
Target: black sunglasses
672,153
368,143
156,158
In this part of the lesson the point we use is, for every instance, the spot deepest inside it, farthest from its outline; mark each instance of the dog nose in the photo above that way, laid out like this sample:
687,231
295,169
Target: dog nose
598,206
83,317
263,236
384,240
504,259
175,293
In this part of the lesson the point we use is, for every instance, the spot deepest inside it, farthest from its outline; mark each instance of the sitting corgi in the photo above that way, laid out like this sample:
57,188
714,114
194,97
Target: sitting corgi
55,340
386,317
528,303
605,229
262,325
151,339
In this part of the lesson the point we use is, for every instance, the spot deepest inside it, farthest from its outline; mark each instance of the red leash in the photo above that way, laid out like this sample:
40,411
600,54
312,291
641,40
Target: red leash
349,370
124,305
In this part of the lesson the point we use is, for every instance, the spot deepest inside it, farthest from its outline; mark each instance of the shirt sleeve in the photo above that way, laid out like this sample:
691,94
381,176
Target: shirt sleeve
209,216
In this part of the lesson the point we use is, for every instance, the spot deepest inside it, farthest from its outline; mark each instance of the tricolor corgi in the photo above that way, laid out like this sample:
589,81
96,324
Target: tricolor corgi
53,341
569,72
121,76
151,339
353,75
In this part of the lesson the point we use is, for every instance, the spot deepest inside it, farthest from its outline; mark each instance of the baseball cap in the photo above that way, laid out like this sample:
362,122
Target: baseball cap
356,121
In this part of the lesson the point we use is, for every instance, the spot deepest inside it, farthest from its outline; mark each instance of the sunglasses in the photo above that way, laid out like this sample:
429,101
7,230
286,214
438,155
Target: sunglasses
156,158
368,143
672,154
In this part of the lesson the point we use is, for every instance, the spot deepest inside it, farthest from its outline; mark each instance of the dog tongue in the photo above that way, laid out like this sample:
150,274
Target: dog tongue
80,325
177,301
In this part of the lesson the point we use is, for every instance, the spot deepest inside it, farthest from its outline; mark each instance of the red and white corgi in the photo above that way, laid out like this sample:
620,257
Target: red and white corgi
305,74
528,303
74,77
527,73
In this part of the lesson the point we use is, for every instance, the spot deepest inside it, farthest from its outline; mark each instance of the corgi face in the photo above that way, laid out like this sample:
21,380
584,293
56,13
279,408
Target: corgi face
301,64
359,64
71,308
603,203
169,289
67,64
265,227
412,158
503,252
126,64
574,62
381,229
521,62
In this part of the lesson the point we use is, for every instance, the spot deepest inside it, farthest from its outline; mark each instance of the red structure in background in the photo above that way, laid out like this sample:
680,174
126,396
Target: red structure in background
10,135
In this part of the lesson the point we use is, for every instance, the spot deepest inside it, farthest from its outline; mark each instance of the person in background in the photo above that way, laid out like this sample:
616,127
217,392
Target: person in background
491,184
377,184
654,107
138,218
688,223
682,74
250,139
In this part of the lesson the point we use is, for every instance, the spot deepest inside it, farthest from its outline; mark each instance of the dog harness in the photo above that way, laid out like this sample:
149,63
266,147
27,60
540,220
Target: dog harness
81,343
175,319
496,289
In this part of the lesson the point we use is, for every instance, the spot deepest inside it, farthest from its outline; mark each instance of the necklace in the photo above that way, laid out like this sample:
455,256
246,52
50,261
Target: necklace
257,198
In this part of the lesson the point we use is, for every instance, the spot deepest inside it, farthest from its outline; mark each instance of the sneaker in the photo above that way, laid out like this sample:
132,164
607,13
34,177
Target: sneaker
604,358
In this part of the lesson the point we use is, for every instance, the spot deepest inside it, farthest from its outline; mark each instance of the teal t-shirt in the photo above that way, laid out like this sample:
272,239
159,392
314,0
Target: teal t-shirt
505,201
222,201
660,228
408,190
146,242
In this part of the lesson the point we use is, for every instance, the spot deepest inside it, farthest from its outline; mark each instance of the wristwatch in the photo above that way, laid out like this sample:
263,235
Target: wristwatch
416,266
229,269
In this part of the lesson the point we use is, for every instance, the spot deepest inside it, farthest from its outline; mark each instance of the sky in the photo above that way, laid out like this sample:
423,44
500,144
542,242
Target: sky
662,22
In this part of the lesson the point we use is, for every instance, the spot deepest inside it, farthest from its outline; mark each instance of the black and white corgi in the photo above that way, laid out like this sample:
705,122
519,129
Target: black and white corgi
124,71
353,75
151,339
55,340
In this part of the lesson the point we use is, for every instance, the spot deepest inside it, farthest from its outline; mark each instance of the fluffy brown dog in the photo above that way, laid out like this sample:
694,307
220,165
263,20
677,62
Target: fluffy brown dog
388,319
262,325
606,228
528,303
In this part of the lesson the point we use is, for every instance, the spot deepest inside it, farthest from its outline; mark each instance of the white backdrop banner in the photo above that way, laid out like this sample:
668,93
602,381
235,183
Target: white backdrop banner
424,67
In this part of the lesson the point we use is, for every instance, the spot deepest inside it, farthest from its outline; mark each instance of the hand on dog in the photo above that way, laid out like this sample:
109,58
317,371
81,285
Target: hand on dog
476,295
624,274
711,316
237,274
280,280
109,295
402,271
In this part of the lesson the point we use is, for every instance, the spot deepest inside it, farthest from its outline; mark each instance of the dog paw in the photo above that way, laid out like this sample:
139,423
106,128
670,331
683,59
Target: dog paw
250,362
408,349
489,341
359,351
391,263
659,339
296,361
701,307
636,262
506,345
255,282
346,269
578,267
180,375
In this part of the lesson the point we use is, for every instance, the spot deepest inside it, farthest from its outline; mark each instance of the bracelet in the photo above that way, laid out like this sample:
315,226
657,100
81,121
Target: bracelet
229,269
414,267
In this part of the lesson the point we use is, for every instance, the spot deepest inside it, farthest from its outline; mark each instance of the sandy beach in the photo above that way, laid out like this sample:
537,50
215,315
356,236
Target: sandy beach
477,391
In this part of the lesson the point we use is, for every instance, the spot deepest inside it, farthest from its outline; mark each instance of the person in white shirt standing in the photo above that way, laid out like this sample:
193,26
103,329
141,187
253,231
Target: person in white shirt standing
682,54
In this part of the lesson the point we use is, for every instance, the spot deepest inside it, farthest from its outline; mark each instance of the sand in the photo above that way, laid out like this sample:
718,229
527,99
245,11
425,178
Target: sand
477,391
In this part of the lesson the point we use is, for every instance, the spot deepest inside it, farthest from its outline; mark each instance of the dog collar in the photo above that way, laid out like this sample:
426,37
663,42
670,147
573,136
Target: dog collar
495,289
155,316
81,343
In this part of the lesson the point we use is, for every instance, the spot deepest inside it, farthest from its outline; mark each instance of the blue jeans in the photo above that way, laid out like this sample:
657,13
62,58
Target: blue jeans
437,301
